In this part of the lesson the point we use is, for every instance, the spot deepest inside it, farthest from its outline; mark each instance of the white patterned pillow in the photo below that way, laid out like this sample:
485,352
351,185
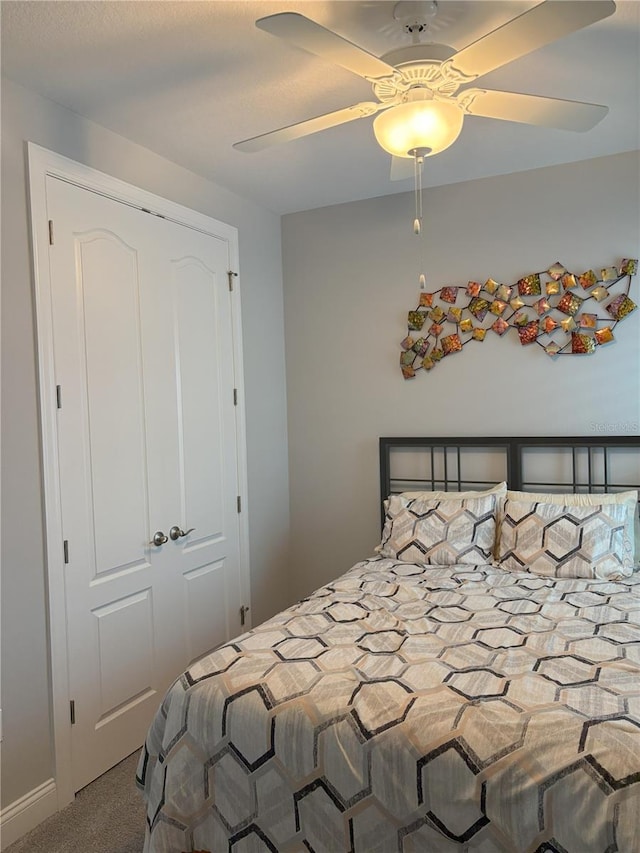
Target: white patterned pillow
565,541
499,490
440,532
629,498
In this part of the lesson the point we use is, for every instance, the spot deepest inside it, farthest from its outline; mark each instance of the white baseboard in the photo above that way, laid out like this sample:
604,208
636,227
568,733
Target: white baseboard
27,812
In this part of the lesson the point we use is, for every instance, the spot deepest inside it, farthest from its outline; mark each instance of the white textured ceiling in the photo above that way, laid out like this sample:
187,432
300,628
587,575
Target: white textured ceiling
188,79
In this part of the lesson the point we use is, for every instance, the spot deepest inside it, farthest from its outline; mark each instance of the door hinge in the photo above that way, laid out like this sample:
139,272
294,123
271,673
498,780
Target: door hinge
239,503
152,212
243,612
231,275
235,396
72,711
59,396
51,232
65,548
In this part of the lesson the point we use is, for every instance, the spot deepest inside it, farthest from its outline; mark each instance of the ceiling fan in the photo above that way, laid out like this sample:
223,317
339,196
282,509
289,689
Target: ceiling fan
427,81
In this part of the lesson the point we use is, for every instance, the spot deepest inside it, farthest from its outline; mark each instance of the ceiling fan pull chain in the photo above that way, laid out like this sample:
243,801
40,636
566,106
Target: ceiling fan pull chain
417,222
418,163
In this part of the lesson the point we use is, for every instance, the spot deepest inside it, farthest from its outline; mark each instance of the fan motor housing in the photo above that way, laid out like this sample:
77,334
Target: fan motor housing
417,65
418,53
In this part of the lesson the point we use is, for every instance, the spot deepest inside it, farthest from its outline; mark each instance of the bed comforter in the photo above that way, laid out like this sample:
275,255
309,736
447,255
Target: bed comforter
404,708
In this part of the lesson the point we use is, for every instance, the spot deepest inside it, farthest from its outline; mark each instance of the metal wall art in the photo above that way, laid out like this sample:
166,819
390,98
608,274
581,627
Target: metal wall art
561,312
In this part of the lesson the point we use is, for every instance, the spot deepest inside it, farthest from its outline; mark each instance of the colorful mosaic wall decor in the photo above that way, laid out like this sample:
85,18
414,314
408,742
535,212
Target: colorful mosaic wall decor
561,312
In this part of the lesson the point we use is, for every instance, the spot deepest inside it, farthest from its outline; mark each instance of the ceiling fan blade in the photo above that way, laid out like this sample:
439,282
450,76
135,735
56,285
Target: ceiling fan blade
305,128
402,168
531,109
543,24
316,39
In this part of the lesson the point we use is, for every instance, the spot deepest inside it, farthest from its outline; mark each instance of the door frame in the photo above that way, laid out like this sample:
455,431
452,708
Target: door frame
43,163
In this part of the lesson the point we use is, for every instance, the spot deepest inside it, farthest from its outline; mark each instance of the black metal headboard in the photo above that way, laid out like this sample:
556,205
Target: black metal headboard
542,464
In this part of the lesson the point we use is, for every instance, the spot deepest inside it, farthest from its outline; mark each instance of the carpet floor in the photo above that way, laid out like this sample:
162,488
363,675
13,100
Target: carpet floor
106,817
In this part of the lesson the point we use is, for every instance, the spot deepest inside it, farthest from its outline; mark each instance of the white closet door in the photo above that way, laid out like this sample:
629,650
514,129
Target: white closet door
147,448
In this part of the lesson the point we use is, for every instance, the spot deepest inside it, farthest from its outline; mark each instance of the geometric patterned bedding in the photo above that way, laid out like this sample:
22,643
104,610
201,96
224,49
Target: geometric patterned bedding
413,709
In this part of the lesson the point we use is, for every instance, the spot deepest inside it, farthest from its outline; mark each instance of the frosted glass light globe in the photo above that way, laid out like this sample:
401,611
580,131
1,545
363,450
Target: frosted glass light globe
420,125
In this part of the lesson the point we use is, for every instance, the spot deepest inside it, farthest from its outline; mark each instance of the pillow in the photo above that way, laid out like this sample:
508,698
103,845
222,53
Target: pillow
565,541
500,489
440,531
628,498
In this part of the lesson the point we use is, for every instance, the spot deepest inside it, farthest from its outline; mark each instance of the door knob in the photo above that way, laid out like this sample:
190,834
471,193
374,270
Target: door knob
159,539
176,532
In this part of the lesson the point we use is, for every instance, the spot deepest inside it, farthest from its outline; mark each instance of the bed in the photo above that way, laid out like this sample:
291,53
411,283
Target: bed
474,685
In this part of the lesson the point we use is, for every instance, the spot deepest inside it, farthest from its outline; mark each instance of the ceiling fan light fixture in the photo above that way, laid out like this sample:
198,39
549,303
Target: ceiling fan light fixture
426,126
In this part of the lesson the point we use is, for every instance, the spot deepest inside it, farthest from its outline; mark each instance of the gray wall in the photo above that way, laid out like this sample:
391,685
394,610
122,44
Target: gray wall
351,275
26,749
